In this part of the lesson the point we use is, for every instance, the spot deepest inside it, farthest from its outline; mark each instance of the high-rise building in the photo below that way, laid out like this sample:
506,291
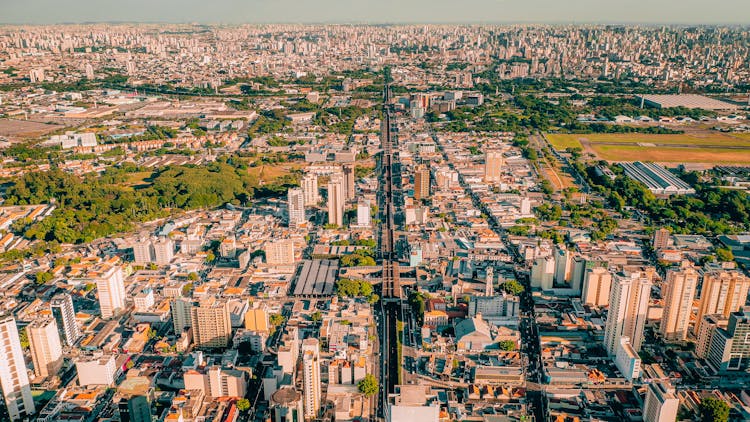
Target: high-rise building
336,200
65,315
181,309
280,252
163,250
707,329
679,292
364,216
45,347
212,327
661,238
348,172
730,347
111,290
311,376
256,318
136,408
628,310
310,189
14,379
142,251
563,266
627,360
489,289
421,182
661,403
723,292
296,207
493,166
597,284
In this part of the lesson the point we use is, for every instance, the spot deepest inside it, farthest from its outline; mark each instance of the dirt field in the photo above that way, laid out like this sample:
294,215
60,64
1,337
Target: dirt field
690,147
670,155
718,139
20,129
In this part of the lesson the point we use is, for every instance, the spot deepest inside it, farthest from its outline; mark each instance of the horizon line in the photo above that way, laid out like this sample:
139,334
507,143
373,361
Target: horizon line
393,23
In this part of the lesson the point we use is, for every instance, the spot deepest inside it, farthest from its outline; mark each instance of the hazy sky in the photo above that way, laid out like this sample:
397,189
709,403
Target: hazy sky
378,11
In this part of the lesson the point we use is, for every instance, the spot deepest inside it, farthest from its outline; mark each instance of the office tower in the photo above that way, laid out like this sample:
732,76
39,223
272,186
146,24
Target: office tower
45,347
13,377
661,403
212,327
310,189
707,329
111,290
181,314
256,318
348,171
336,200
723,292
280,252
421,182
661,238
730,347
488,282
364,216
493,166
627,360
597,284
163,250
296,207
311,376
65,315
678,292
628,309
96,370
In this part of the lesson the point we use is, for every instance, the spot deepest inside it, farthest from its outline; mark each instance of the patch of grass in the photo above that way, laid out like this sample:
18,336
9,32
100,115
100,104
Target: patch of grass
562,141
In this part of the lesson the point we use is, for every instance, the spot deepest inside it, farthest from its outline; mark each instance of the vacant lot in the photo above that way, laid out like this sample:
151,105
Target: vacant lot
20,129
718,139
670,154
693,147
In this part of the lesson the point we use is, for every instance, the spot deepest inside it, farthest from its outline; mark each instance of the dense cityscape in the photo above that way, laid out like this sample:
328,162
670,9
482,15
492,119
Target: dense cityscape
374,223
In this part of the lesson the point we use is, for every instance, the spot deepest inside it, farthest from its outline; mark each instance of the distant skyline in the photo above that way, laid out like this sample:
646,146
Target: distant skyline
377,11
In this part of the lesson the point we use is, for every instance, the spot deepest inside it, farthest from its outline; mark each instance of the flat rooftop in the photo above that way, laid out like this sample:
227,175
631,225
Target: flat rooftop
687,100
317,278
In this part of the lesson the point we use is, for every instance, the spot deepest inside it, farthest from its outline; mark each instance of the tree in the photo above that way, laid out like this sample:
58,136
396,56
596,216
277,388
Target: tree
316,316
724,254
368,385
712,409
23,337
193,276
513,287
43,277
507,345
243,405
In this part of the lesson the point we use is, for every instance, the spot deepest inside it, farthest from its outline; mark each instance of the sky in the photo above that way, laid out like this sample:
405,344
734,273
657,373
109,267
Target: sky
377,11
